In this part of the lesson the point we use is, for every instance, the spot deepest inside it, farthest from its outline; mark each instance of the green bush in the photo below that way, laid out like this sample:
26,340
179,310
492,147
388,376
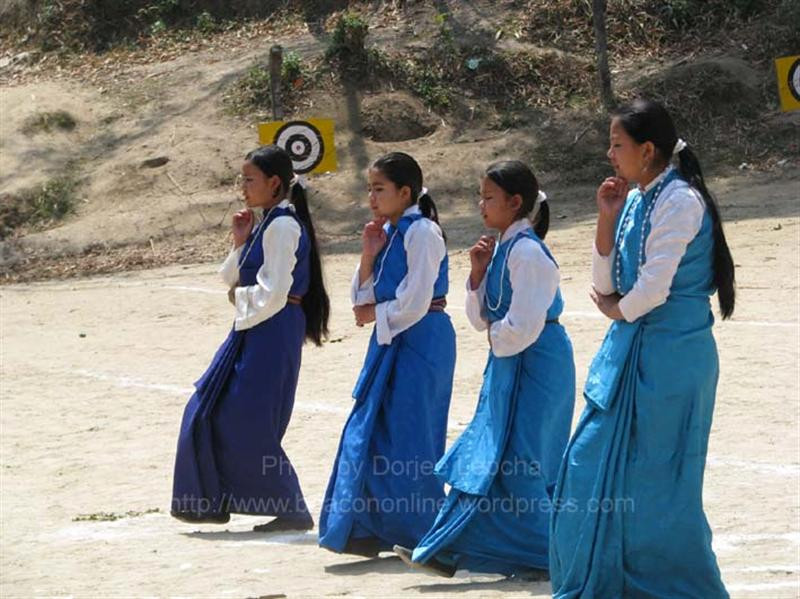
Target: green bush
206,23
347,43
252,92
38,206
54,199
292,68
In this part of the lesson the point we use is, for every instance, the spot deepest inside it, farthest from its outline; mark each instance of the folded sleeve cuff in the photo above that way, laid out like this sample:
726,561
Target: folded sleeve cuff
363,294
229,271
382,331
632,306
601,271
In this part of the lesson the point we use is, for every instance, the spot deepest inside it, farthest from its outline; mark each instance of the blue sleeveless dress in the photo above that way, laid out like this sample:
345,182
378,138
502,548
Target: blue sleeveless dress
229,457
503,467
629,518
382,484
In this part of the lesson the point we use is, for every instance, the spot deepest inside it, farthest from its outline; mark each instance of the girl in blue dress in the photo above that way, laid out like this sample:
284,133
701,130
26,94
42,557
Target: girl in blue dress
382,490
503,467
629,518
229,457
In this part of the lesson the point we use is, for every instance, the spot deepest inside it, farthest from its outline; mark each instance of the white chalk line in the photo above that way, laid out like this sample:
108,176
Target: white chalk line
730,542
138,527
584,315
782,469
194,289
126,382
771,569
129,382
570,314
763,586
578,314
154,525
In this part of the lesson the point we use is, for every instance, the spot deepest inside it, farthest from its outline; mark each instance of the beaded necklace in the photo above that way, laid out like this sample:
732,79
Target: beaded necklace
505,262
623,227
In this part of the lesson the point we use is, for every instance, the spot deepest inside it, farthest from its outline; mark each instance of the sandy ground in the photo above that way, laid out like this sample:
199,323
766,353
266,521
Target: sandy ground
95,374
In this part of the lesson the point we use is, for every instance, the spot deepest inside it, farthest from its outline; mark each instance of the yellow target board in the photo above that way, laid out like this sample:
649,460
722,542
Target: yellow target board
309,143
788,70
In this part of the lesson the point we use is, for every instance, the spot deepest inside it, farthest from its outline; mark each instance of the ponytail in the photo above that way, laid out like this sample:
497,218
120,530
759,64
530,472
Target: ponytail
316,304
428,209
724,270
646,120
541,222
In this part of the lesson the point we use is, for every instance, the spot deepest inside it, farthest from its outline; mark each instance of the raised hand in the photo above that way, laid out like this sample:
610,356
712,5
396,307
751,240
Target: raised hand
373,238
480,255
611,196
241,225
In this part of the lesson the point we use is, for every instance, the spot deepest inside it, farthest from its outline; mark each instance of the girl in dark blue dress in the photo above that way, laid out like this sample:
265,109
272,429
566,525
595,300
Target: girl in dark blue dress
229,457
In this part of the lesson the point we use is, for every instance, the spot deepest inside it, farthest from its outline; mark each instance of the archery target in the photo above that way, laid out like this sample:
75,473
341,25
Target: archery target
309,142
304,144
787,69
794,79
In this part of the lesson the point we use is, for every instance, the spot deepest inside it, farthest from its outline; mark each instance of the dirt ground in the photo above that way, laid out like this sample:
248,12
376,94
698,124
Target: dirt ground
96,371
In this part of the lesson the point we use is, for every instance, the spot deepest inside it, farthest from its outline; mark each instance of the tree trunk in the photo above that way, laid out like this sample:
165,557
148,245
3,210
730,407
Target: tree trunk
601,49
275,64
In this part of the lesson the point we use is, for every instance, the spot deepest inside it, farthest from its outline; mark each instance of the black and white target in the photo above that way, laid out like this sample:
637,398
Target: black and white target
794,79
303,142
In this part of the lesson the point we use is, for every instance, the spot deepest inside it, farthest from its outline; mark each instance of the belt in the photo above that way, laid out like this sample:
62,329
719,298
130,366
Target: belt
294,299
438,304
554,321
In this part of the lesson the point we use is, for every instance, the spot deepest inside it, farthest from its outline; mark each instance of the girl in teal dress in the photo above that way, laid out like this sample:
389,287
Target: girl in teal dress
628,519
503,467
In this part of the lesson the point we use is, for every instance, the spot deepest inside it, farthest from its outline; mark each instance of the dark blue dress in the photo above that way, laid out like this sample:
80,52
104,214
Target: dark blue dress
229,457
382,483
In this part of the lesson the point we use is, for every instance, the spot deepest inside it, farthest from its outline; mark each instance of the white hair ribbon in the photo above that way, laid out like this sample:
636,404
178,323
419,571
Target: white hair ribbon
422,192
679,145
542,197
299,180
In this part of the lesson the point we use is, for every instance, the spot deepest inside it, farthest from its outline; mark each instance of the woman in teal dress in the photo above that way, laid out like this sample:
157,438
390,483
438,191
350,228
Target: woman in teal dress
503,467
628,519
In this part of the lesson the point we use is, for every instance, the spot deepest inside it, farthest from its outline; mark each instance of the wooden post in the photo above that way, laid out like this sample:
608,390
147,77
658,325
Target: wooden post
275,67
601,49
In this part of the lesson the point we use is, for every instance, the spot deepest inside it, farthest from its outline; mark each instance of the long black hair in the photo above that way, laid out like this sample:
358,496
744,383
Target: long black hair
402,170
273,160
647,120
515,177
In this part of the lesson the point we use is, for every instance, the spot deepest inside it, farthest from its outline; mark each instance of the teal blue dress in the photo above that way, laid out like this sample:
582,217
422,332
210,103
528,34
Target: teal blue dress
503,467
628,519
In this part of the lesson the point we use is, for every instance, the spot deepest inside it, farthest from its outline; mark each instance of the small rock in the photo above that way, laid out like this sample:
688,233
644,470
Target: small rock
783,162
744,166
155,162
81,335
777,227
